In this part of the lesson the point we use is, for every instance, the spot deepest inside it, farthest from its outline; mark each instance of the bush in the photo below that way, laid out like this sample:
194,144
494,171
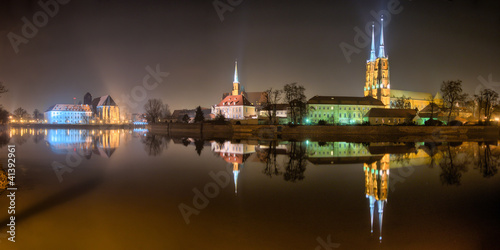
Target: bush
322,122
455,123
433,123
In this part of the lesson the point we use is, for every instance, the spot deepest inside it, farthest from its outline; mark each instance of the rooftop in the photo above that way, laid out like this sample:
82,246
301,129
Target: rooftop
345,100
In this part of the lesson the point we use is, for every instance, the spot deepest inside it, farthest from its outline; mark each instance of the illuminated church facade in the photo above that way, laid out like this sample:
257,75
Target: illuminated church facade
238,104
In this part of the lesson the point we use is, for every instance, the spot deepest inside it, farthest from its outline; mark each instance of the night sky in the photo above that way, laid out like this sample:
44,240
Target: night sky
104,46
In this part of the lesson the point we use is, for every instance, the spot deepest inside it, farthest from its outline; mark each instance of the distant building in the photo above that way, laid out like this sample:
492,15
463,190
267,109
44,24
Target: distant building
235,107
377,116
87,99
178,114
68,114
340,109
105,109
281,111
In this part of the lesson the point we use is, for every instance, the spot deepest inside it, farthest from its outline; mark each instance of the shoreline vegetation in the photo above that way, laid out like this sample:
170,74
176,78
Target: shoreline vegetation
328,132
351,133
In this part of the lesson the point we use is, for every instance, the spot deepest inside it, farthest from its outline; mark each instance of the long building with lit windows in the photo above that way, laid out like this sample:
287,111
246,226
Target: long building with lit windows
340,109
68,114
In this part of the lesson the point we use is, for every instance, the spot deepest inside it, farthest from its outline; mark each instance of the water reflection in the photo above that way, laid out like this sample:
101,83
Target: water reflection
293,163
376,158
98,142
155,144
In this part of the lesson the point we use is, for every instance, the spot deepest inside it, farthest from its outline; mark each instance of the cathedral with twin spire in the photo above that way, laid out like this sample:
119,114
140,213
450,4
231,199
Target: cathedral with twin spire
378,84
377,71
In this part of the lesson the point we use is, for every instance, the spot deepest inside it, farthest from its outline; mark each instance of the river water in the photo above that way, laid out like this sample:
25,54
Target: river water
130,189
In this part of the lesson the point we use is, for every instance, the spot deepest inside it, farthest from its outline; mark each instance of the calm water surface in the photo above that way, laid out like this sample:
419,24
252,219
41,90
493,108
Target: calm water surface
130,189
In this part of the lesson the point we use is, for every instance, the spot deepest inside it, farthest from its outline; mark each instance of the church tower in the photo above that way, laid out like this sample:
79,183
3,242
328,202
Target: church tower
377,70
236,83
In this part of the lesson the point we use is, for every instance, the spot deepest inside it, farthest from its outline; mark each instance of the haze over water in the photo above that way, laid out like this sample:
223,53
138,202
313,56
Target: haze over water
128,189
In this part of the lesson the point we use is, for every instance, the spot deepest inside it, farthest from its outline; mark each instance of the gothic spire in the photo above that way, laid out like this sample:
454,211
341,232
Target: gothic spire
372,52
236,71
381,52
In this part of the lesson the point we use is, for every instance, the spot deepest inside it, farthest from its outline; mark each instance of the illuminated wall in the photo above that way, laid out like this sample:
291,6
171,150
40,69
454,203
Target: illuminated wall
68,114
108,114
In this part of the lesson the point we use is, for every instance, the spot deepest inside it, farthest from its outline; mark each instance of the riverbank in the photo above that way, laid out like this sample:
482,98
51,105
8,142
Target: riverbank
329,133
77,126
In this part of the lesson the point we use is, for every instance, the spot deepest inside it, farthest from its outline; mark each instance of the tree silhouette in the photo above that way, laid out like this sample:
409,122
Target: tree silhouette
451,171
270,159
153,109
487,163
199,117
296,165
154,144
199,145
452,93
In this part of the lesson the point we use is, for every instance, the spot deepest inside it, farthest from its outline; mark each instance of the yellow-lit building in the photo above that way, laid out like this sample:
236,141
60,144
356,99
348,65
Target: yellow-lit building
106,110
378,84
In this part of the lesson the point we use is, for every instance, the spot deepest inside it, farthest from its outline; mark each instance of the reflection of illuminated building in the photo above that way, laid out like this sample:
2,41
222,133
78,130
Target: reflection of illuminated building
338,153
101,142
3,180
63,140
106,142
236,154
376,188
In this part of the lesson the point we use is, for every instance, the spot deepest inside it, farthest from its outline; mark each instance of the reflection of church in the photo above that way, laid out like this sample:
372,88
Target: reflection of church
99,142
376,188
236,154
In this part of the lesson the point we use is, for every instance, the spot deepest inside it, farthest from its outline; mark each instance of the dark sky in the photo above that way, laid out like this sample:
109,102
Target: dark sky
104,46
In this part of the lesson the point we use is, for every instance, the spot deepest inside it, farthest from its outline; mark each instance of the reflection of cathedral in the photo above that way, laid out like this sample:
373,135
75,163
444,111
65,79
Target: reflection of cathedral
236,154
376,188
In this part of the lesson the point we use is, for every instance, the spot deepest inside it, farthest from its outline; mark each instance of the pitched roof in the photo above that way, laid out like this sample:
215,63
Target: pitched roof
411,94
103,101
400,113
69,107
345,100
256,97
234,100
432,107
438,96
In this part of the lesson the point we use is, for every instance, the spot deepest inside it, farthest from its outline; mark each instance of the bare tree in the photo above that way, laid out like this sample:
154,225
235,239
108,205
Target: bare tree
153,109
3,89
490,98
296,99
37,114
20,113
166,114
273,96
452,94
